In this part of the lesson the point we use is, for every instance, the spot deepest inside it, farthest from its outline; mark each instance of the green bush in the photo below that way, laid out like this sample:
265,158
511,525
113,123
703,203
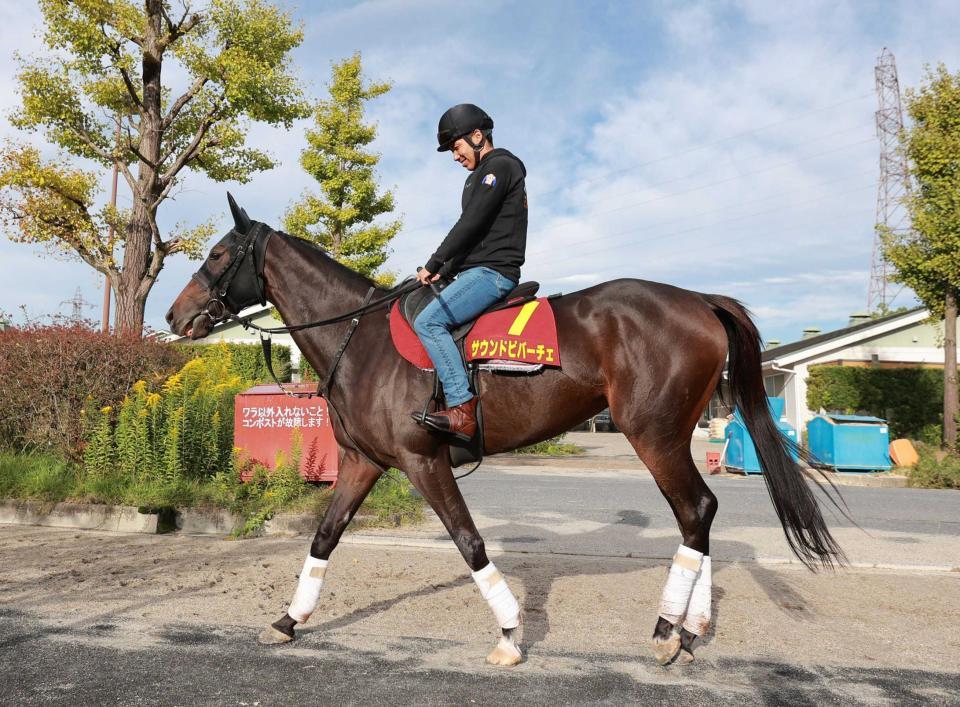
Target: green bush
553,447
935,469
909,399
182,430
37,475
306,370
246,360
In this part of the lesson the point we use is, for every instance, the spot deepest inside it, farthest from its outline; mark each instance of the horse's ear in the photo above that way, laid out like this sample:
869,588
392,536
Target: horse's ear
240,218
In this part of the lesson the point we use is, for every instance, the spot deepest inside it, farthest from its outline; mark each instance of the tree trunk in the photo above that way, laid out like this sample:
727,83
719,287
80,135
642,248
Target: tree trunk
133,286
950,406
129,313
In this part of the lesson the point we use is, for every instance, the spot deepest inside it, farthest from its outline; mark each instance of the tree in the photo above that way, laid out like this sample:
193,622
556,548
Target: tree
341,218
99,97
928,258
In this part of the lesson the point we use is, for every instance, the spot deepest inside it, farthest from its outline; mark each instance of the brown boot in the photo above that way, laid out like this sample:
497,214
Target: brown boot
460,421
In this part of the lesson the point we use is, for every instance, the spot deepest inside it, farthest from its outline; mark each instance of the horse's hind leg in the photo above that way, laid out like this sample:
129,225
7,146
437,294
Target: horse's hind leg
685,604
434,480
357,476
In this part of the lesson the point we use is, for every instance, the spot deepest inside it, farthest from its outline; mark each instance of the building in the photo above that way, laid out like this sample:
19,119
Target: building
232,332
906,339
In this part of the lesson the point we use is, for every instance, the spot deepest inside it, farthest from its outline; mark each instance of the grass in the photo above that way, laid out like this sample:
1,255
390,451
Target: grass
38,476
935,469
51,479
553,447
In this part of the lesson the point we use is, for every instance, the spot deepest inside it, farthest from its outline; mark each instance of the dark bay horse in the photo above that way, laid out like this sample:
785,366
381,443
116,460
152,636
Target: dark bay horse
650,352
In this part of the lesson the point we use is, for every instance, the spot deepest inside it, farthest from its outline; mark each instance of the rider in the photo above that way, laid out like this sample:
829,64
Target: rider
484,249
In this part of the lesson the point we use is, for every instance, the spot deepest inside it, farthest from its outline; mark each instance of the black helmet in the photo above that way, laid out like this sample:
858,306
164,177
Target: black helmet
461,120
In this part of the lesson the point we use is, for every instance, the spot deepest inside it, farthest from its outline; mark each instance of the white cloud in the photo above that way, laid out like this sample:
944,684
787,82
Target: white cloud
717,146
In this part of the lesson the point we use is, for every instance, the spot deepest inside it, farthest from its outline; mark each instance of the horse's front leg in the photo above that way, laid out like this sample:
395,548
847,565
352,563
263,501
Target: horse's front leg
433,478
357,476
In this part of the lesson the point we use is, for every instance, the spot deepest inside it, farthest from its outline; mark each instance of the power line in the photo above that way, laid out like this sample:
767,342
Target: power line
856,128
571,220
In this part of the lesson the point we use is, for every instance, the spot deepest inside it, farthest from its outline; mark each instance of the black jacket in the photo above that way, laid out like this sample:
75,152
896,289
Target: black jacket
492,230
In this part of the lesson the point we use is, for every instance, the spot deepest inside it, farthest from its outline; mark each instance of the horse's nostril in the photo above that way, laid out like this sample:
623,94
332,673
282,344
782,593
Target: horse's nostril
169,316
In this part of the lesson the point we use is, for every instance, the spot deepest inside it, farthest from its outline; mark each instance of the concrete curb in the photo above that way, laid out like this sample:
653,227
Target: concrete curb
883,479
81,516
577,461
211,521
129,519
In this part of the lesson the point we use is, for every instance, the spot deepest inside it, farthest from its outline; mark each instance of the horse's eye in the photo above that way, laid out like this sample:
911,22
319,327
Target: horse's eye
215,255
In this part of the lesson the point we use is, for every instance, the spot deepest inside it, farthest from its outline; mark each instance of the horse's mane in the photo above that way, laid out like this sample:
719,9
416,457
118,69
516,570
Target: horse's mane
346,270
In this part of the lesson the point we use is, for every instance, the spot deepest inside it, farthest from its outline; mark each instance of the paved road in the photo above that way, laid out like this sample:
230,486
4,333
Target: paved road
622,513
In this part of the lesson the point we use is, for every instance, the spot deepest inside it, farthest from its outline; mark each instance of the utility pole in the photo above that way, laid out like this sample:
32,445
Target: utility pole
894,185
113,205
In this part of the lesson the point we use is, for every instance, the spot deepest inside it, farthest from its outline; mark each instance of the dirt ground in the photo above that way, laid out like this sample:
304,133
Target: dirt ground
147,586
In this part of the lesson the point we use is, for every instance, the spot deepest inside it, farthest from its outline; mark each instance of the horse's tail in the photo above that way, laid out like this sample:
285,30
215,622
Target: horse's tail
796,507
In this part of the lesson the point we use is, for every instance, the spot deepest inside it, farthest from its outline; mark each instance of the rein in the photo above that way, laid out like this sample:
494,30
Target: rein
217,310
367,306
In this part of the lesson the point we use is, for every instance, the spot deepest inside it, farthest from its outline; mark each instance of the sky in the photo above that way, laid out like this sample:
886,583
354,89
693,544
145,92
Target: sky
725,147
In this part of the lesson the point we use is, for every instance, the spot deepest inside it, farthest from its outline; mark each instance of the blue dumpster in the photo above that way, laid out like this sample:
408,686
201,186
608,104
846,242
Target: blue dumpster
741,454
850,442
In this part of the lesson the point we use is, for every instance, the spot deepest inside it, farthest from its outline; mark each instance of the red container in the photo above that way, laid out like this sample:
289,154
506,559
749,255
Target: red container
265,419
713,462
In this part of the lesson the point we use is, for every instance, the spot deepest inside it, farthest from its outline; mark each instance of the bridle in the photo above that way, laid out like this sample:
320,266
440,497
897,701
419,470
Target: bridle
244,274
241,284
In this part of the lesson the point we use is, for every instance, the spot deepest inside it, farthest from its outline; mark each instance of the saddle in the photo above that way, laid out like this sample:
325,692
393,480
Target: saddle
412,303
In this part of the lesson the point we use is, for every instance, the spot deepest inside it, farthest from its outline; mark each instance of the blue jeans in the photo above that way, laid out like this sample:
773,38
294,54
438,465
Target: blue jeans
462,300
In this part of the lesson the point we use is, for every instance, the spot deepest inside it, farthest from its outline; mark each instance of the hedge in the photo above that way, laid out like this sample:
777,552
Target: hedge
247,359
49,373
909,399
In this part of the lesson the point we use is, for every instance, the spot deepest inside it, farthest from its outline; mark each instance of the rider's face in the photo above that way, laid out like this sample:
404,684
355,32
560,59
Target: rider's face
463,152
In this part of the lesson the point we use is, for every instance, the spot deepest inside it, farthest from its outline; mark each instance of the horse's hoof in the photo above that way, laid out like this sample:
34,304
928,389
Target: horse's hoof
272,637
665,649
684,657
506,653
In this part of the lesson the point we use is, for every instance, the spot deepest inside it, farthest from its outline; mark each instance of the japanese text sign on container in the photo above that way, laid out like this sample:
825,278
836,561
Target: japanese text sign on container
265,423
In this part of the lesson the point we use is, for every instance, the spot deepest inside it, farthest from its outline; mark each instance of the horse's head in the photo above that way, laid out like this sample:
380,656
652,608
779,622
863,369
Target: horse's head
230,279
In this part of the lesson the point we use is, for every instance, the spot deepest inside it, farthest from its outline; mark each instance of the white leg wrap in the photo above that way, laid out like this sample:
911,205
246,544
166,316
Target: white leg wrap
683,574
493,588
307,596
697,620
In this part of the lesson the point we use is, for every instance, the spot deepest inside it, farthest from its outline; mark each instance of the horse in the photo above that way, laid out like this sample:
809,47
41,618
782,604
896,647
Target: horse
652,353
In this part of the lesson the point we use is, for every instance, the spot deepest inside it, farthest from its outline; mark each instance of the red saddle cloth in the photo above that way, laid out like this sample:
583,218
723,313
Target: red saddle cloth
526,333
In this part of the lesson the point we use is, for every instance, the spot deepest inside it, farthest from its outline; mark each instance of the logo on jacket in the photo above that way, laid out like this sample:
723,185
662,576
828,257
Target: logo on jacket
490,179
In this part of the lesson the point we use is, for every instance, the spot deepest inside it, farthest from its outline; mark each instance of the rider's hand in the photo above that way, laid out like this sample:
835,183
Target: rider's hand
425,278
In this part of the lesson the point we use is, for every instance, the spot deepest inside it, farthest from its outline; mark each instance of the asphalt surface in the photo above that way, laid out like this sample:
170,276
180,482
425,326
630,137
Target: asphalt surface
621,513
603,495
189,665
100,618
